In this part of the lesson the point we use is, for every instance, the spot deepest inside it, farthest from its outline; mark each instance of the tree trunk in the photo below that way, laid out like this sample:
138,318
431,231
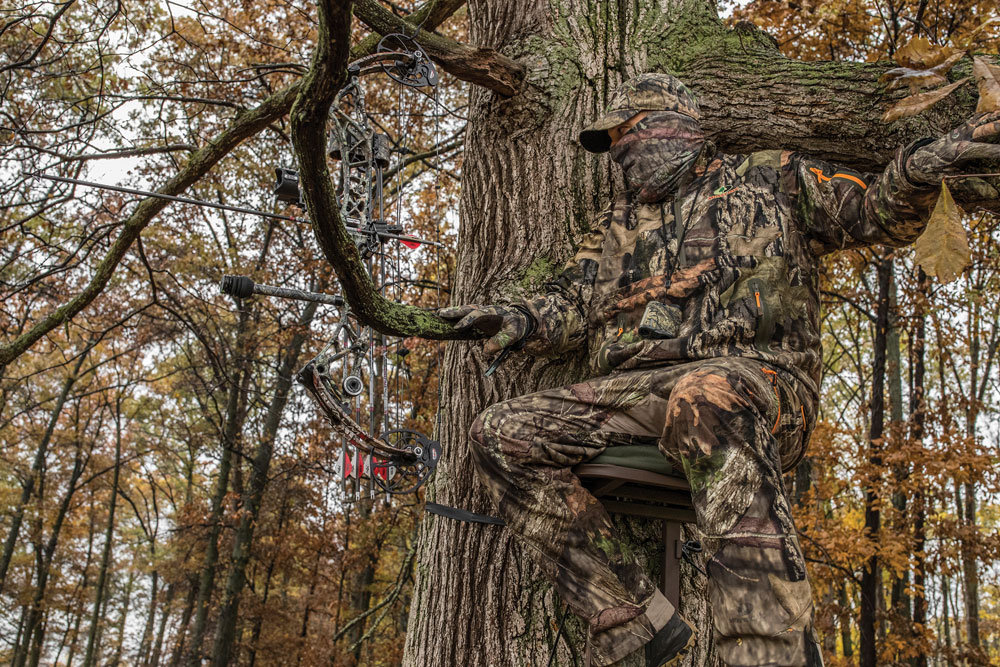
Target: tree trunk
871,576
229,606
35,624
96,621
846,640
970,571
154,658
899,600
918,413
84,581
147,631
29,484
528,190
526,186
945,611
178,652
116,657
234,425
259,621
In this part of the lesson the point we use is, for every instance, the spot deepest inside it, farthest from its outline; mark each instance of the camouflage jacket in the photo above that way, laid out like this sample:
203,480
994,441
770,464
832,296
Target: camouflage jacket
731,263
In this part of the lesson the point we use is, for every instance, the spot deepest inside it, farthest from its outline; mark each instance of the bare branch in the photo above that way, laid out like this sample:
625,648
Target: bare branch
484,67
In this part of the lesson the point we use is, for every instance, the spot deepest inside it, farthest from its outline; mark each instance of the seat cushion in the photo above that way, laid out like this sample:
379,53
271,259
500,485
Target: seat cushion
641,457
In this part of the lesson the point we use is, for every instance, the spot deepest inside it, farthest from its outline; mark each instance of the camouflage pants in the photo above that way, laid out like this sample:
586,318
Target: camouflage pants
732,425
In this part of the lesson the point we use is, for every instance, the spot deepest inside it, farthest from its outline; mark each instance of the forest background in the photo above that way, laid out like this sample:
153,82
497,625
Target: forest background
167,497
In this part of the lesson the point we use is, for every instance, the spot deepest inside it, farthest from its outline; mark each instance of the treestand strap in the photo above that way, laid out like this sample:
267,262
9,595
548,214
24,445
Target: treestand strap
462,515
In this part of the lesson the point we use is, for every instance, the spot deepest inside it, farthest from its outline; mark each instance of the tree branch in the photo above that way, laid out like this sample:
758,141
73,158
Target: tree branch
310,111
484,67
244,126
430,15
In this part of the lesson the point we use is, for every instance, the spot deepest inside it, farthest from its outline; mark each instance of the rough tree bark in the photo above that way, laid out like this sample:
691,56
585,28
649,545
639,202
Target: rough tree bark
528,191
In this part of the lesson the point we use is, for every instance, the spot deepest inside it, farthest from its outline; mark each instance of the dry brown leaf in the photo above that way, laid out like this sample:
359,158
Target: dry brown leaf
914,104
916,79
918,53
943,249
988,81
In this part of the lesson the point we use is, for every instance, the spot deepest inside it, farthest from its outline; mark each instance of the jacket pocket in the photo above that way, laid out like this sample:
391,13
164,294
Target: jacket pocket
765,317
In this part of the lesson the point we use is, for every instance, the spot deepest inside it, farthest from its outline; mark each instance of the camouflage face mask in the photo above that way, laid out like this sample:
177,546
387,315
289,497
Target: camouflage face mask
657,152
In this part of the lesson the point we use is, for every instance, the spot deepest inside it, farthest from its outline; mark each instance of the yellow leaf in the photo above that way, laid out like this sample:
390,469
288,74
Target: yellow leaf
914,104
943,249
918,53
988,82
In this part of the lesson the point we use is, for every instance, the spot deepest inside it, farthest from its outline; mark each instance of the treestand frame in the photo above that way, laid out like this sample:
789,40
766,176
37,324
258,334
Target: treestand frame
652,495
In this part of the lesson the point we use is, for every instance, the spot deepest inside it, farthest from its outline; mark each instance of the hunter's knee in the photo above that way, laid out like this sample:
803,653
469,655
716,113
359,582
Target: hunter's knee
483,434
697,405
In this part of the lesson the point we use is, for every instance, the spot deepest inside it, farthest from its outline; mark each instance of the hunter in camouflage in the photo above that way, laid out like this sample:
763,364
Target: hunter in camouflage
696,296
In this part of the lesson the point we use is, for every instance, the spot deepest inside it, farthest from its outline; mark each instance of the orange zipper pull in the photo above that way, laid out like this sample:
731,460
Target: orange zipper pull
772,375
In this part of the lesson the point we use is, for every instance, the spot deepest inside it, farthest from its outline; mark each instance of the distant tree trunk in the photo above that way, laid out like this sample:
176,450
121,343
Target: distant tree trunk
147,631
242,543
945,614
154,658
307,606
36,467
96,621
899,600
871,575
918,413
179,644
259,621
970,571
846,640
360,601
84,583
35,624
122,620
236,400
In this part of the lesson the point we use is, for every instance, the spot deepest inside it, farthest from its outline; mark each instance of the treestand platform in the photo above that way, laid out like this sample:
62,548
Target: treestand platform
638,481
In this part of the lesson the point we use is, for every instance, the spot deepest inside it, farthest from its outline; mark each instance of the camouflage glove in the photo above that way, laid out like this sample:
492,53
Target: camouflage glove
506,325
976,139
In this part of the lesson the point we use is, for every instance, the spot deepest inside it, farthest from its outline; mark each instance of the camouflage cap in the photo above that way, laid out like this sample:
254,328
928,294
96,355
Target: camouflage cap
646,92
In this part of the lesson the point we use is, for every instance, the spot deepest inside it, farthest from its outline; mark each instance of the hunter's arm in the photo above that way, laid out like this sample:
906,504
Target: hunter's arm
561,313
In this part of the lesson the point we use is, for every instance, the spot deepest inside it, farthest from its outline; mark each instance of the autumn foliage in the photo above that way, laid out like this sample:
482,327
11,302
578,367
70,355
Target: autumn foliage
133,433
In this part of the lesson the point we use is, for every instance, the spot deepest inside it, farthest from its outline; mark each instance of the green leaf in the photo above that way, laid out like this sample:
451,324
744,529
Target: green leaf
943,249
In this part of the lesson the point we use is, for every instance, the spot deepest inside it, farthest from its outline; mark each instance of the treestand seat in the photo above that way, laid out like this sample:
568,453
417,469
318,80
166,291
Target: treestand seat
639,481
